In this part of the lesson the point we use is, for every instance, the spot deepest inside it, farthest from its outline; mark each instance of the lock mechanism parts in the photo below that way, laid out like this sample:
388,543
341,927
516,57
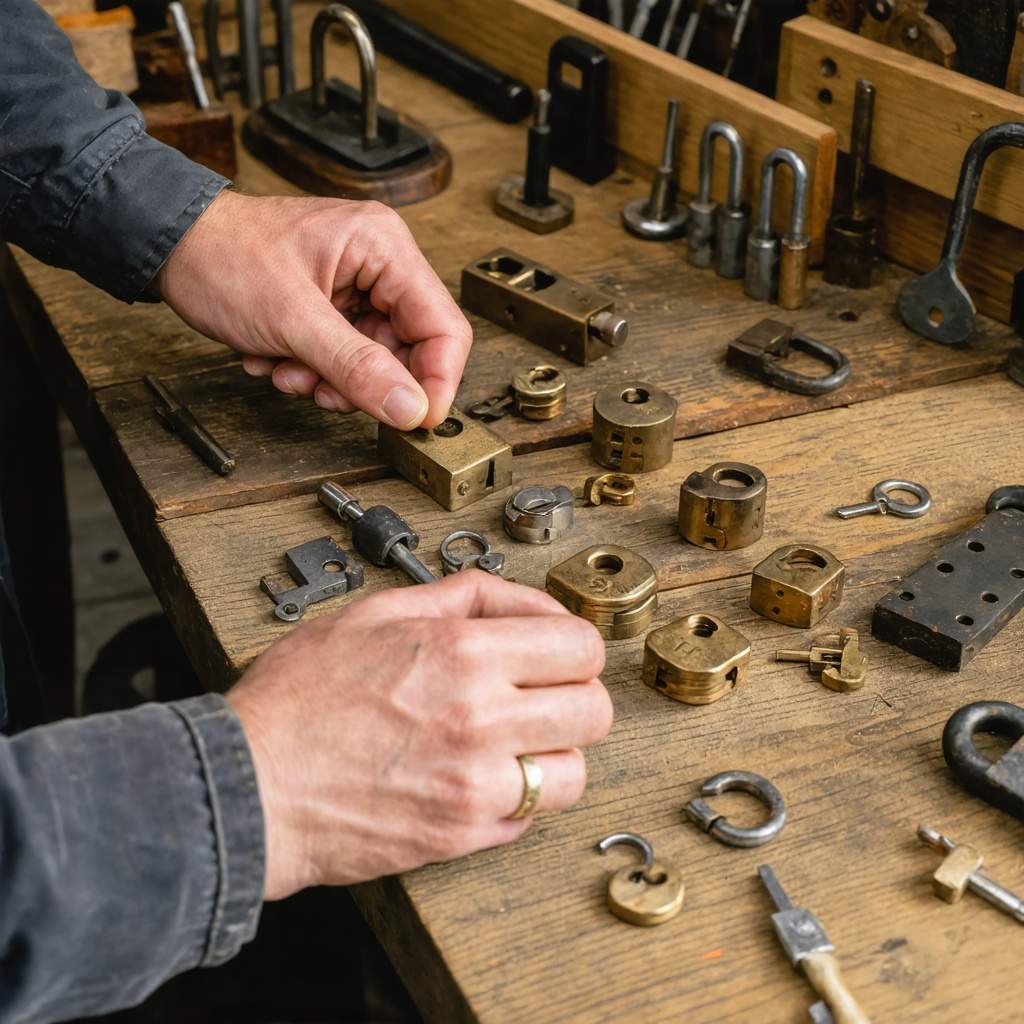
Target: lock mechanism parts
797,585
697,659
658,217
634,424
645,895
544,307
723,507
716,235
539,515
612,587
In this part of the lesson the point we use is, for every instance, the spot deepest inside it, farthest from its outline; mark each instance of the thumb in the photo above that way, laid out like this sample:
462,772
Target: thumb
358,368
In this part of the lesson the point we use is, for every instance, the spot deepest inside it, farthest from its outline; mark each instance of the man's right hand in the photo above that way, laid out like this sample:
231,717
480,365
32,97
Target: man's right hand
386,737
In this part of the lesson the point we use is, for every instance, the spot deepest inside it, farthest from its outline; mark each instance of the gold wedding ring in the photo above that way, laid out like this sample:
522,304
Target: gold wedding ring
533,777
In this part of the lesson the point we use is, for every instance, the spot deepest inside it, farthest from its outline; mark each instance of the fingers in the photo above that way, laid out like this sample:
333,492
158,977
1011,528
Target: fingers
294,378
553,718
563,782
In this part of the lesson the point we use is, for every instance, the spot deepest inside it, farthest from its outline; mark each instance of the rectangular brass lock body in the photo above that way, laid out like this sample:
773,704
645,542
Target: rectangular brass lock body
634,426
797,585
458,462
547,308
697,659
614,588
723,507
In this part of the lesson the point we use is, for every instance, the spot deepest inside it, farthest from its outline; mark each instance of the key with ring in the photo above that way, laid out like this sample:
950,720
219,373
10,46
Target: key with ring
705,817
646,896
882,503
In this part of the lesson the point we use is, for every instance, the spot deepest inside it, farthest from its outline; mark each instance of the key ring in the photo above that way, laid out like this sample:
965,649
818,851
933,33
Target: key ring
485,560
882,503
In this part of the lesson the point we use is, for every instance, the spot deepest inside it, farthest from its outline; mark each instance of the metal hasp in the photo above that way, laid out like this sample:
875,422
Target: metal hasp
348,124
178,419
320,570
244,70
836,659
457,462
614,588
937,305
579,112
702,814
507,98
950,608
762,350
528,200
634,426
851,241
608,489
1001,782
769,275
961,870
715,234
659,217
723,507
649,895
797,585
884,504
808,949
547,308
485,559
379,533
697,659
539,515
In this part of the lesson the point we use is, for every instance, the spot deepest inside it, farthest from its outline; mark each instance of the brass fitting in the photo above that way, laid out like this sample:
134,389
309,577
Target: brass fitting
539,392
836,659
797,585
634,426
714,513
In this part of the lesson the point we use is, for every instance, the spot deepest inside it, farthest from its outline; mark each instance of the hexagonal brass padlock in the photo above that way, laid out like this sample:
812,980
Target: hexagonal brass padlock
634,426
723,507
612,587
697,659
797,585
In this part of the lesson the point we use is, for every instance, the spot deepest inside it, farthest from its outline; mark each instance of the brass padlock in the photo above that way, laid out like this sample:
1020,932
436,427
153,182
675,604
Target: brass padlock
612,587
647,895
634,426
697,659
458,462
723,507
797,585
539,392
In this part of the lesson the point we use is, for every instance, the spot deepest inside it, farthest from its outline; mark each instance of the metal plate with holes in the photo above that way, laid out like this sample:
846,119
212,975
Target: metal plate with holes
320,569
949,609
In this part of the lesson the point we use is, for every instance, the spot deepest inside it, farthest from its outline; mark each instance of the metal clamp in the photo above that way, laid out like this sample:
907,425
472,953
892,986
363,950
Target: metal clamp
486,559
761,352
882,503
705,817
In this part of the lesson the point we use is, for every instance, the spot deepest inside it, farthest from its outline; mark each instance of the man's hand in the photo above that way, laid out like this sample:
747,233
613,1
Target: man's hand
331,298
386,737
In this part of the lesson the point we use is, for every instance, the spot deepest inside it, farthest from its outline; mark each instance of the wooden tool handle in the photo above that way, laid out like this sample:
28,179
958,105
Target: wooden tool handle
822,971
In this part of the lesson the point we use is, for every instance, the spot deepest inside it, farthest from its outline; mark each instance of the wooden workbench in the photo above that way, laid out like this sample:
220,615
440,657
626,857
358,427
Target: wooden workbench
521,933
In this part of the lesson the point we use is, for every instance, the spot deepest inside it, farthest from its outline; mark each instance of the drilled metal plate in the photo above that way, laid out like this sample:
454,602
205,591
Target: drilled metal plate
949,609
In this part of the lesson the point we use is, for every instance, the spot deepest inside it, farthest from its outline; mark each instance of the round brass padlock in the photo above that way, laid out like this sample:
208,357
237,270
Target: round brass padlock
634,426
539,392
723,507
612,587
643,894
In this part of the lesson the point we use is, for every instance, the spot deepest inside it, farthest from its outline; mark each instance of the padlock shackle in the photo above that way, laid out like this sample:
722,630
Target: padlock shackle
339,14
764,210
721,130
999,136
629,839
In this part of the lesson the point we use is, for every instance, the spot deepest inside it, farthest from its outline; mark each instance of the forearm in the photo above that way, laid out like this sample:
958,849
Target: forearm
131,848
81,184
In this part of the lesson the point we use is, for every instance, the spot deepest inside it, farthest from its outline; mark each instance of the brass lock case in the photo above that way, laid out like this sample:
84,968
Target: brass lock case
614,588
547,308
634,426
797,585
697,659
715,513
646,896
458,462
539,392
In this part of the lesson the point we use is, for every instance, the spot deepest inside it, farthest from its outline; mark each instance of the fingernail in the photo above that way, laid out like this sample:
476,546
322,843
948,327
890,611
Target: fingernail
404,408
328,402
286,382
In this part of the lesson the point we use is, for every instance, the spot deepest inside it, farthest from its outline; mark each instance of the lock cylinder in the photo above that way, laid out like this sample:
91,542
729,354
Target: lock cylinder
614,588
634,426
723,506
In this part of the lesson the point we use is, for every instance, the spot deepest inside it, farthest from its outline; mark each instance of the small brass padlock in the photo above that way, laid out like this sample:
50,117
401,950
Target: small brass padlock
723,507
647,895
634,426
797,585
539,392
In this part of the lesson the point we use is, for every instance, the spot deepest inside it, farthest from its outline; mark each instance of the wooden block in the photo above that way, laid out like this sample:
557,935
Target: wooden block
58,8
643,79
103,46
163,77
206,136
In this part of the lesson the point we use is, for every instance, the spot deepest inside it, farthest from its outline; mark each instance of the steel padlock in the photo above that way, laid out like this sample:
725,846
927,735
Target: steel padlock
647,895
797,585
717,235
634,426
723,507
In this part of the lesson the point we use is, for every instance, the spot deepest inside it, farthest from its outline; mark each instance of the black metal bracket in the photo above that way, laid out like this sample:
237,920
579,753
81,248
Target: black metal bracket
320,569
761,351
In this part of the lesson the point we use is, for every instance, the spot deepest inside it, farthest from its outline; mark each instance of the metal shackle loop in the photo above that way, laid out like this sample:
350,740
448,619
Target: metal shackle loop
721,130
339,14
764,210
629,839
484,559
705,817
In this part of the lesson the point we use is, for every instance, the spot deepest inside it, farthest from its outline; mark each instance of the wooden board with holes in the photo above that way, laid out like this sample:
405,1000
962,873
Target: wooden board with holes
521,933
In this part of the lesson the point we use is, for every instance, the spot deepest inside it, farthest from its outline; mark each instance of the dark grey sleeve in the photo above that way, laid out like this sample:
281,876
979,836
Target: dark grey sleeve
131,848
81,183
